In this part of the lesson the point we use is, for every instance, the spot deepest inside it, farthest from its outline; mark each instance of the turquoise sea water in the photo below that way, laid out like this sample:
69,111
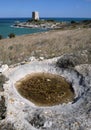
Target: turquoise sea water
6,25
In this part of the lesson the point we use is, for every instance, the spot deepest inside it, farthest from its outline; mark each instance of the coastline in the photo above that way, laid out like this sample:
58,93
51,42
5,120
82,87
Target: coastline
42,24
6,23
53,25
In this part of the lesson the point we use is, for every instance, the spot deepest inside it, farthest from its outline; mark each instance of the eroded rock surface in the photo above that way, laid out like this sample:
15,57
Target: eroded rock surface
73,59
2,108
22,114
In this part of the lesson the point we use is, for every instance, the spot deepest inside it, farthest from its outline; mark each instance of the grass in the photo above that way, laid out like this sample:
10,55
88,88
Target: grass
45,89
47,45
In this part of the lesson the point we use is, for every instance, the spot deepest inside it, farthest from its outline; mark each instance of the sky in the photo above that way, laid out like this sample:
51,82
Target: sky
46,8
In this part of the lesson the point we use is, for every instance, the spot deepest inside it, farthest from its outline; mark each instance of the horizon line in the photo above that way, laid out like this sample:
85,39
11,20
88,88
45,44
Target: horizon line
48,17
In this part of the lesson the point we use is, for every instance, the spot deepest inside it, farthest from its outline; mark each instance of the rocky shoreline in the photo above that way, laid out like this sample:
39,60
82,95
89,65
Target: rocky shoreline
51,24
43,24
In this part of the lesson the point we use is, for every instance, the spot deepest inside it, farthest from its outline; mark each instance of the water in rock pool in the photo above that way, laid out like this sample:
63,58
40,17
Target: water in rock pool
45,89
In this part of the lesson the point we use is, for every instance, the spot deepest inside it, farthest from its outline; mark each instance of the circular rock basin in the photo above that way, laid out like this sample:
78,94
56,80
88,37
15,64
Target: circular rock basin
45,89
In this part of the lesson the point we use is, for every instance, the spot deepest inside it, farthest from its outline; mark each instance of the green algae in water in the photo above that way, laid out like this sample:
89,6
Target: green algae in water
45,89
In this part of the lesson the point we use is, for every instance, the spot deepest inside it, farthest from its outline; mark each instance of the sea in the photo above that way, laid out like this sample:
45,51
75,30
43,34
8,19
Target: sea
6,25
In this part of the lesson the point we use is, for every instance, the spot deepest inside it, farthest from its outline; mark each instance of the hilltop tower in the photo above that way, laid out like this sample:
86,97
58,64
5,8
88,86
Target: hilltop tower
35,15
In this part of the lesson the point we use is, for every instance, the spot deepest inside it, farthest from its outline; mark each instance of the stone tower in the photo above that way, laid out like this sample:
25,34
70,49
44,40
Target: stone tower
35,15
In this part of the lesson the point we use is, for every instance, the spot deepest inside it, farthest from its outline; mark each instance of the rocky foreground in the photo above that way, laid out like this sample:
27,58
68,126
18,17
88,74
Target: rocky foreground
65,53
21,114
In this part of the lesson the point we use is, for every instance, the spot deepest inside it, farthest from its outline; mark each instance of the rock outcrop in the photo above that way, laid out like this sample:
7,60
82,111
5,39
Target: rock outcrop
22,114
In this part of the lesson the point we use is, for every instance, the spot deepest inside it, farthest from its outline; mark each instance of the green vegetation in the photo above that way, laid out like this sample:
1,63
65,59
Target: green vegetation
11,35
73,22
50,20
10,47
1,37
38,22
45,89
31,20
86,21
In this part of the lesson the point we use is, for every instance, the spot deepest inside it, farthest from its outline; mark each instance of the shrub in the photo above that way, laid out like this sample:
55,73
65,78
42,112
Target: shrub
1,37
50,20
10,47
29,20
86,22
73,22
11,35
